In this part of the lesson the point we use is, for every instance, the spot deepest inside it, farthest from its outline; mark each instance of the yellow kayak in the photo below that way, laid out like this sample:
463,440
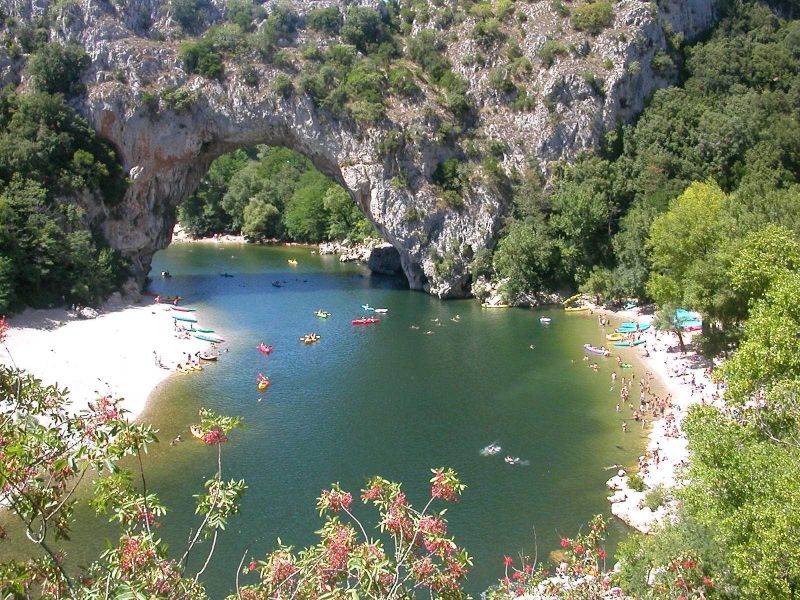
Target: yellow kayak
263,385
577,309
484,305
616,337
571,299
292,262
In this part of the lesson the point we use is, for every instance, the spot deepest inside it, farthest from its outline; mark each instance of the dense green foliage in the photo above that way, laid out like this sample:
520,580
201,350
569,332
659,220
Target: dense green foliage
733,122
271,193
49,155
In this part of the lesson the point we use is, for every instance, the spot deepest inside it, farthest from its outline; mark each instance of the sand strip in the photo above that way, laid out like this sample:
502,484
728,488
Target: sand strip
113,354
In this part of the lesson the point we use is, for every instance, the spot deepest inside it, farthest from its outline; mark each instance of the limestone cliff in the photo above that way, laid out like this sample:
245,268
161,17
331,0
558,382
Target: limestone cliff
165,145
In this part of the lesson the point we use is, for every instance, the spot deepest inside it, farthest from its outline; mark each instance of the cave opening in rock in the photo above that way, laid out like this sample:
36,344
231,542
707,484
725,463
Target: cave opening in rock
276,194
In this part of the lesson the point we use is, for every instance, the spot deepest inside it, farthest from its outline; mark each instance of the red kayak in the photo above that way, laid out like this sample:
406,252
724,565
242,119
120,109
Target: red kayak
182,309
264,348
365,321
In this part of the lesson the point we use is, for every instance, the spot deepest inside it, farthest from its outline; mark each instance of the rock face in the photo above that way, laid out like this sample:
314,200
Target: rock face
385,260
168,125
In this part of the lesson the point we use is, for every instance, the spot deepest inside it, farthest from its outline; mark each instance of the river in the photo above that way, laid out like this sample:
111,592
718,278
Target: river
384,399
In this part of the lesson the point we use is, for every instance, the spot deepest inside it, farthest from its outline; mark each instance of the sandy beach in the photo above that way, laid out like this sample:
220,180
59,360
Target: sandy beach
681,380
113,354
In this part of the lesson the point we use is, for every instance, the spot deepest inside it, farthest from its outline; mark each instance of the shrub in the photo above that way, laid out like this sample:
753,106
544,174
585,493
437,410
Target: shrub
549,51
559,8
662,63
593,17
283,85
201,57
635,482
487,32
325,20
655,498
500,81
523,102
412,214
177,99
56,69
401,82
451,174
244,12
250,75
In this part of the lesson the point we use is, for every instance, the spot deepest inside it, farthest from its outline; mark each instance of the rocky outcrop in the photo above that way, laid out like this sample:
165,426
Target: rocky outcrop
168,125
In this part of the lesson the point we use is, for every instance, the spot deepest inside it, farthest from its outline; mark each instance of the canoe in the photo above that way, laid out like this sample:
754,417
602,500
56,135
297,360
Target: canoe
186,319
368,321
596,350
630,343
183,309
626,365
577,309
485,305
208,338
264,349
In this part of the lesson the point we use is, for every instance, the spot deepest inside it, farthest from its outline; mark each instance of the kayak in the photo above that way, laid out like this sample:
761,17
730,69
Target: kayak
596,350
627,329
626,365
183,309
616,337
630,343
186,319
209,338
310,338
292,262
201,330
264,348
365,321
322,314
204,356
382,311
485,305
571,299
263,385
576,309
545,320
367,307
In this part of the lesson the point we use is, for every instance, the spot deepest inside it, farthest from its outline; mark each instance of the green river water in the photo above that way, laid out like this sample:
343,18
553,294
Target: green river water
385,399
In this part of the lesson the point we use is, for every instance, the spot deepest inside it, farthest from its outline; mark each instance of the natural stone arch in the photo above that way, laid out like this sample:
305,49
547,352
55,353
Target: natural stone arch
168,153
169,125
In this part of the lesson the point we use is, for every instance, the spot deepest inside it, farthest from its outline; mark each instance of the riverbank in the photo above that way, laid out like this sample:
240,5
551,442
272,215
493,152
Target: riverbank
114,354
679,381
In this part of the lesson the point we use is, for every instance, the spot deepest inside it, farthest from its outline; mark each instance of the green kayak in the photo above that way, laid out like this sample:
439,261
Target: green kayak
630,343
209,338
201,330
187,319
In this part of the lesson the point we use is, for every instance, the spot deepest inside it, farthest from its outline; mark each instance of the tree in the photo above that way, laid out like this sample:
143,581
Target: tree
326,20
770,351
363,28
525,255
57,69
345,219
260,219
305,217
682,239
